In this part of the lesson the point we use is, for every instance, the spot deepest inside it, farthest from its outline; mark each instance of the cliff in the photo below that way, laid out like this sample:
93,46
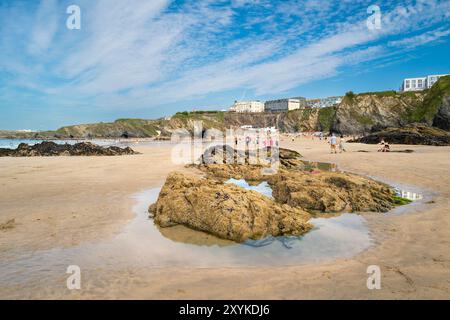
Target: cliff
369,112
356,114
361,113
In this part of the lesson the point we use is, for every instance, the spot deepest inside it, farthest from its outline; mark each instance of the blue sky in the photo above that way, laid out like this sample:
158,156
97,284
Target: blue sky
149,59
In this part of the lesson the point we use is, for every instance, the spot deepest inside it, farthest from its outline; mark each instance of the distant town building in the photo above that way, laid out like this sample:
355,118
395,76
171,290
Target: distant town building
421,83
282,105
322,103
266,129
247,106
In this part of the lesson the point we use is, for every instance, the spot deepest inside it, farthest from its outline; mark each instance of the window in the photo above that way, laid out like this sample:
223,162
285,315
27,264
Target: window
413,83
407,84
419,83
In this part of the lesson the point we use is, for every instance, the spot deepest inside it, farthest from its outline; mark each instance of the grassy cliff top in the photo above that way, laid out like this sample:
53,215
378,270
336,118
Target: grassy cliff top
421,107
432,101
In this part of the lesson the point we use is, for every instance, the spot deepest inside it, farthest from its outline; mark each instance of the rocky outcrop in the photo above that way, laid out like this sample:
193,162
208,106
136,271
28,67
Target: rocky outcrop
235,171
362,113
442,118
221,154
319,191
234,213
224,210
313,191
48,149
326,192
414,134
215,161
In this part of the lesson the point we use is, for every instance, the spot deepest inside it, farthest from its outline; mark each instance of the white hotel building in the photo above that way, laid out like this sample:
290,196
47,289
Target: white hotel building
281,105
247,106
417,84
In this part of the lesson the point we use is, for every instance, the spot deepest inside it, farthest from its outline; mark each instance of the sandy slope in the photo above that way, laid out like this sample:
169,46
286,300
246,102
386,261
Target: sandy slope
66,201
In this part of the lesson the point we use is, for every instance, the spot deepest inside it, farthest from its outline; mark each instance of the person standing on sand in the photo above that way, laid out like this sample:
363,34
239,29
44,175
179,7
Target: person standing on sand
341,144
333,143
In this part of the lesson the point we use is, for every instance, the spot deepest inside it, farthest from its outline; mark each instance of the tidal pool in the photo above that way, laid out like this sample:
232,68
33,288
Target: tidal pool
142,245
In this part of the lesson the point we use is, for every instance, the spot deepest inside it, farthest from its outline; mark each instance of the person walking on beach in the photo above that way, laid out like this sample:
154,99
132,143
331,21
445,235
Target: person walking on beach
341,144
333,143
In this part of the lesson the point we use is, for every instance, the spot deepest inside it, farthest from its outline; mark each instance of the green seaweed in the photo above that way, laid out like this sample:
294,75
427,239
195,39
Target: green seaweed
399,201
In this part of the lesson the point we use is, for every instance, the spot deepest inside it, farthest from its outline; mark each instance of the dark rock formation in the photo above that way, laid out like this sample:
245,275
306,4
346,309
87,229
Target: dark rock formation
48,149
223,162
222,154
224,210
442,118
418,134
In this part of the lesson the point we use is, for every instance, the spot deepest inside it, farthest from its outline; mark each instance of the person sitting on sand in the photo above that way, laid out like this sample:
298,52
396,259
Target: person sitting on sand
382,143
333,143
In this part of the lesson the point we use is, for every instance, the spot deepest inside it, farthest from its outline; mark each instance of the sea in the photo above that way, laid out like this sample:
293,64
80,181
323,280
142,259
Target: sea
14,143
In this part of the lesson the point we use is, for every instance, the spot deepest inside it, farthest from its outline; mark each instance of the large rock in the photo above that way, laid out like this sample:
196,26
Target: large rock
48,149
331,192
237,171
225,210
414,134
316,191
216,162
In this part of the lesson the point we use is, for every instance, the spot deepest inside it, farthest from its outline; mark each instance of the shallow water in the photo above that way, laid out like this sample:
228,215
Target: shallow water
324,166
262,188
143,245
14,143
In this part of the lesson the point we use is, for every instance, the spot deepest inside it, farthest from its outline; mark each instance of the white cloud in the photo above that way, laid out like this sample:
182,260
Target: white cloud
421,39
44,27
145,53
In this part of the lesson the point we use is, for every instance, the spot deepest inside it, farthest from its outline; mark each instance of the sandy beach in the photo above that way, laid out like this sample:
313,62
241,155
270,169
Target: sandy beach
63,202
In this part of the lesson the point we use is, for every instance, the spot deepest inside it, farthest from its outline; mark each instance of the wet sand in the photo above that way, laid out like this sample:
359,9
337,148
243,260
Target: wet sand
63,202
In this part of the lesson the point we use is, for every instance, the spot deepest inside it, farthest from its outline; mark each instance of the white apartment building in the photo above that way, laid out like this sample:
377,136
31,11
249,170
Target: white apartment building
323,102
433,79
247,106
421,83
282,105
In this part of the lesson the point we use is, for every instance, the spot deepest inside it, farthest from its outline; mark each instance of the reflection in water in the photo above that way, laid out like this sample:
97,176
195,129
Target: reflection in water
409,195
182,234
142,245
324,166
262,188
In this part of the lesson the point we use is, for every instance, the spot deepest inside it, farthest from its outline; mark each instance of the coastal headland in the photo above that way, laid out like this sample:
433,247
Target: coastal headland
356,115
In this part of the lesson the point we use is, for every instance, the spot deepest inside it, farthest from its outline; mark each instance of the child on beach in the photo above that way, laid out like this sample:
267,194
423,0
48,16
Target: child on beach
341,144
333,143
